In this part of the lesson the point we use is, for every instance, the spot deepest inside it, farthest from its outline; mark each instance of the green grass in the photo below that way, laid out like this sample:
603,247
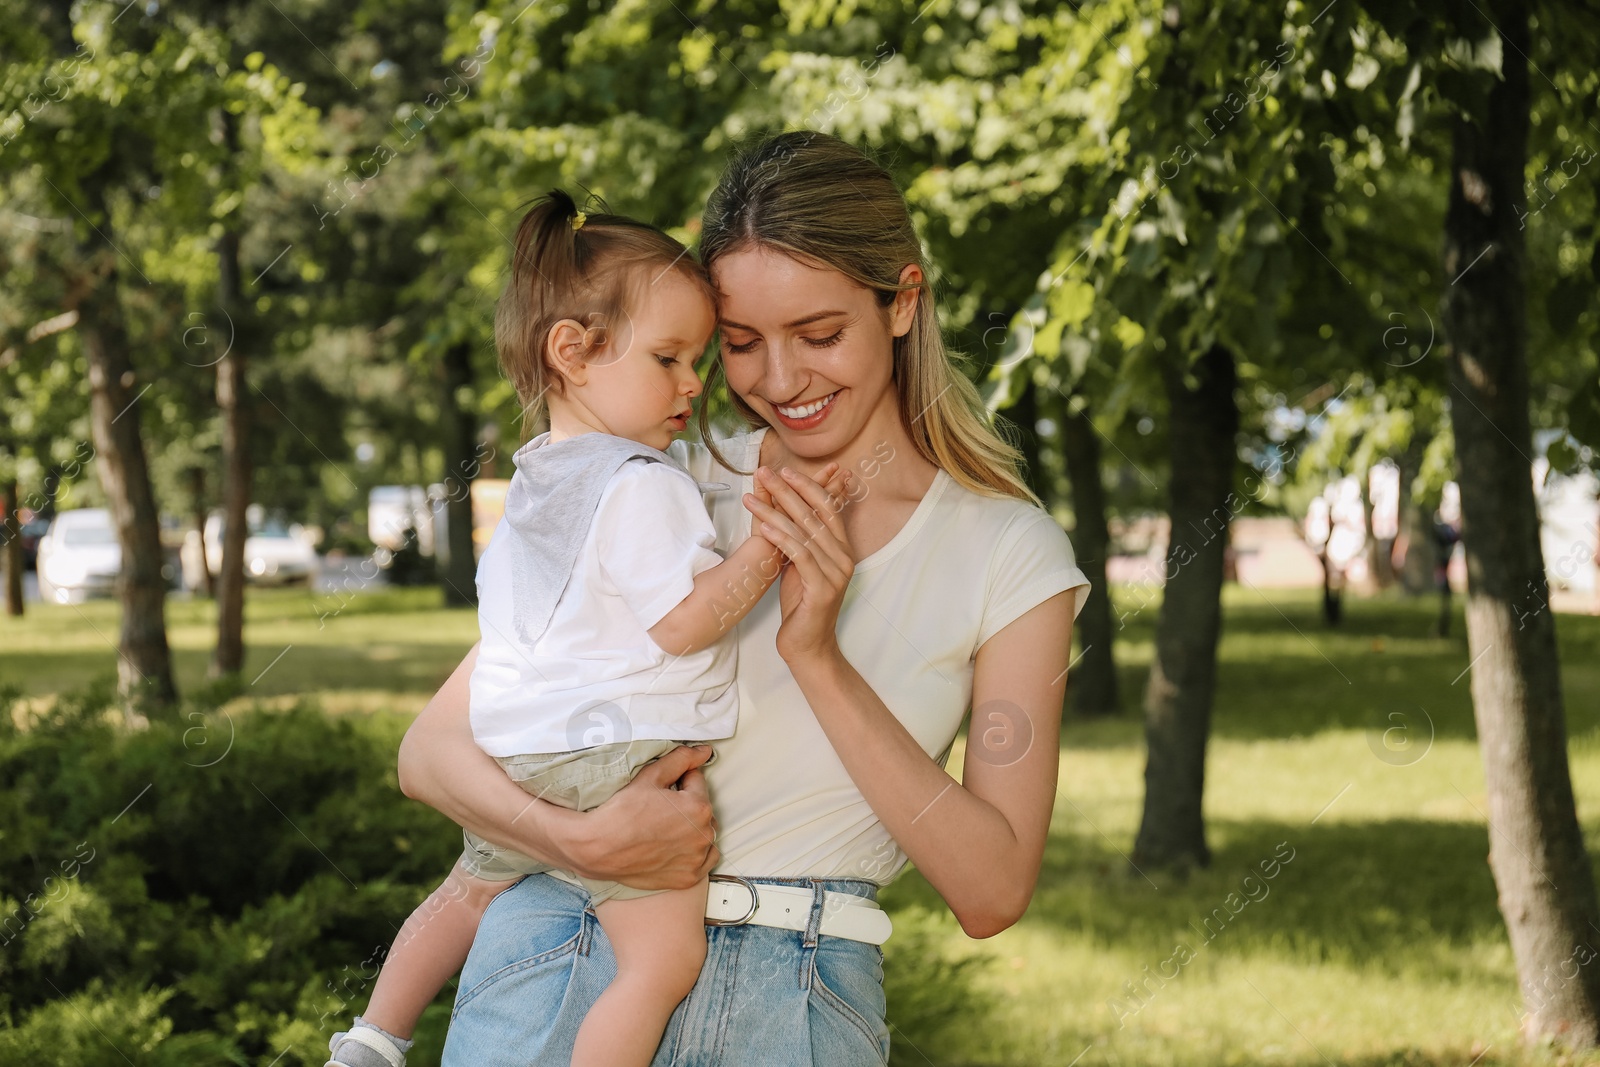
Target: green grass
386,650
1378,943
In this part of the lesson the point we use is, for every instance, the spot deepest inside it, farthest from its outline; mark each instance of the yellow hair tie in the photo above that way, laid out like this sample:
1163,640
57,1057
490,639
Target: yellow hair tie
578,220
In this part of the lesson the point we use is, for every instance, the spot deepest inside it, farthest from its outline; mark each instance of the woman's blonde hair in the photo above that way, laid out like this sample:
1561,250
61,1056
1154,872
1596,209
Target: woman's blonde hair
823,201
588,267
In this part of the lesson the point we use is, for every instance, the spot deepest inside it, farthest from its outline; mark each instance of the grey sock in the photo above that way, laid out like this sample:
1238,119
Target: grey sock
347,1053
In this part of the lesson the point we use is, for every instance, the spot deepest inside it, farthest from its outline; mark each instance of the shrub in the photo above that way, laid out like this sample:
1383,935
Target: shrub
221,890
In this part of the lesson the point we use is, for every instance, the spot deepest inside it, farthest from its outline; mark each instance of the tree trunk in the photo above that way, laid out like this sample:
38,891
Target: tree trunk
236,468
1203,422
52,489
1379,571
13,564
234,409
1024,414
197,494
1536,851
460,571
1093,684
144,666
1416,566
1332,591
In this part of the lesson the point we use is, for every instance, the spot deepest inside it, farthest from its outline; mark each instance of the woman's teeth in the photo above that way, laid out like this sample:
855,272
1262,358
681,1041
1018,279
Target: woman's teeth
808,409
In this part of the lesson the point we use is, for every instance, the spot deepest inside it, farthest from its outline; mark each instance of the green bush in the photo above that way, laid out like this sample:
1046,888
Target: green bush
222,889
219,890
934,1003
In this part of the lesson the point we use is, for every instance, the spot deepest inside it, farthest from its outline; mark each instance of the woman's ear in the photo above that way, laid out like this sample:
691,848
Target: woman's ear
904,308
564,348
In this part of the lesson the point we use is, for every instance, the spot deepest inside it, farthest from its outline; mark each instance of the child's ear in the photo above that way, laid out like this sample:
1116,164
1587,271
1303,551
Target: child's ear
564,348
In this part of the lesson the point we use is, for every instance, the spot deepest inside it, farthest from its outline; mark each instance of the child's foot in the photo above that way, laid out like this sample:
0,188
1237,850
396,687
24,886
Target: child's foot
366,1045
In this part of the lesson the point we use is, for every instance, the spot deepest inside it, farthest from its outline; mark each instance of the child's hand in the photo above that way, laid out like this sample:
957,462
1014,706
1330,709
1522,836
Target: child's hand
763,494
833,478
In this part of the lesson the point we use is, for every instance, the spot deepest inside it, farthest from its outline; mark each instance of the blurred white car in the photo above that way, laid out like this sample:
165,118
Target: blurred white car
275,553
79,556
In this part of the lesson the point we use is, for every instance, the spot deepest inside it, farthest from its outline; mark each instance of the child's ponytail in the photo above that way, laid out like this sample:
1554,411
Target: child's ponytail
570,264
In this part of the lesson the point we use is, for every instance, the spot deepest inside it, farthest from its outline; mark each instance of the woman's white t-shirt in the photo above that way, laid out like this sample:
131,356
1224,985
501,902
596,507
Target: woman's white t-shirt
595,676
963,567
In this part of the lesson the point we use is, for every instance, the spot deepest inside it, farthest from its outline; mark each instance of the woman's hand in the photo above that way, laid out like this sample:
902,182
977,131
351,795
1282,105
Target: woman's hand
803,521
829,476
648,835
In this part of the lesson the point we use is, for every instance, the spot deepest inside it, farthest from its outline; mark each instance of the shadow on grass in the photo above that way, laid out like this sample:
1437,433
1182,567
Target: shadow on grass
1283,673
1400,895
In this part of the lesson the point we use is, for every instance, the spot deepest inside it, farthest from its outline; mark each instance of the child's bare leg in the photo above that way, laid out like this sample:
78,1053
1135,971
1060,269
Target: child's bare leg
660,945
431,946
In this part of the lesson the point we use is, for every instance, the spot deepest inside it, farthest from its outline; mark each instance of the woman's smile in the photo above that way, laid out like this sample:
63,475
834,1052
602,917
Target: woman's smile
807,415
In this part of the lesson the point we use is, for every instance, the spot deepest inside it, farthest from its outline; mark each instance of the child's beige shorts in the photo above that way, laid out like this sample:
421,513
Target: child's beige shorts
578,780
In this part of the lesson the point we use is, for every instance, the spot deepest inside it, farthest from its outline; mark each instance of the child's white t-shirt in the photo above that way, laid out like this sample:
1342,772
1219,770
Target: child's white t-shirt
595,676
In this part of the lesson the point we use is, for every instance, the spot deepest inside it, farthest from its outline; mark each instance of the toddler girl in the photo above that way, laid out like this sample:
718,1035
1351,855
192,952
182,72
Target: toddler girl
603,608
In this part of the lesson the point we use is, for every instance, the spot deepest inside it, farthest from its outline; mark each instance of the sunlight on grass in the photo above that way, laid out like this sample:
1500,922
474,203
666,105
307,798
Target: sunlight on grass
388,649
1377,942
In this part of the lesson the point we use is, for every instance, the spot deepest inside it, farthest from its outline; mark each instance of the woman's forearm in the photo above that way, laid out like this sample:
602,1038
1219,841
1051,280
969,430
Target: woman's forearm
965,846
658,832
443,767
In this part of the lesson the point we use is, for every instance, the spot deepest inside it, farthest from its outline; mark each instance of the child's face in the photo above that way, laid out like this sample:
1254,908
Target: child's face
644,379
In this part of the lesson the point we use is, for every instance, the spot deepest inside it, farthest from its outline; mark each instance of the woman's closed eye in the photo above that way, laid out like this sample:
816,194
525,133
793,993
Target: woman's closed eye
815,342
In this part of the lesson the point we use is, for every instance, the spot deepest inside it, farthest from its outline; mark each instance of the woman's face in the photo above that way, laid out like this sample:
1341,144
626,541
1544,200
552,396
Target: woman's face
810,350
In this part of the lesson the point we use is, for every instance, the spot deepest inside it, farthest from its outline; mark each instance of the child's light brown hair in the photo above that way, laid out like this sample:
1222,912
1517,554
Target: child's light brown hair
592,273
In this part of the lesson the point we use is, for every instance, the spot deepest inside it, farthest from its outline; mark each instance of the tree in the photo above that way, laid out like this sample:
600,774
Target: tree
144,663
1094,680
93,136
234,409
1541,867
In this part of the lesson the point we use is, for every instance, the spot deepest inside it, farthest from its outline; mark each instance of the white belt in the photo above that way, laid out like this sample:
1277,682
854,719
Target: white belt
735,901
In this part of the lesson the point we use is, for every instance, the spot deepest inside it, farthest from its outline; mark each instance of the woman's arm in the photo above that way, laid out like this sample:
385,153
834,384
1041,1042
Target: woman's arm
980,843
648,835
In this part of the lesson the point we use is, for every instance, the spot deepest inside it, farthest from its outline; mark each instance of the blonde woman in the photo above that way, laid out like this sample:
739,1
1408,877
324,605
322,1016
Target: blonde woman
942,586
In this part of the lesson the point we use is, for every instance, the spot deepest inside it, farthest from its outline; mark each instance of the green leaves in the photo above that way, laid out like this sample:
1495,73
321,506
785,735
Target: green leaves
152,884
1583,414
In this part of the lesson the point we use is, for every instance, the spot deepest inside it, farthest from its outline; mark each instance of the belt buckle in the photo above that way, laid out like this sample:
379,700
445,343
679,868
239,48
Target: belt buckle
755,901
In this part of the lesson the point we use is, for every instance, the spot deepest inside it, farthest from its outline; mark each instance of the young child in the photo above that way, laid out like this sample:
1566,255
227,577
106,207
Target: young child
605,612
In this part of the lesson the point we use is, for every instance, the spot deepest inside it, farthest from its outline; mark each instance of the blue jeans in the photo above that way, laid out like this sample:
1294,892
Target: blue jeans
778,998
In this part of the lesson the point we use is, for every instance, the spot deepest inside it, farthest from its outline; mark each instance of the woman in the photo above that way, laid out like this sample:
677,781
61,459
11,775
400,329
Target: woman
941,585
